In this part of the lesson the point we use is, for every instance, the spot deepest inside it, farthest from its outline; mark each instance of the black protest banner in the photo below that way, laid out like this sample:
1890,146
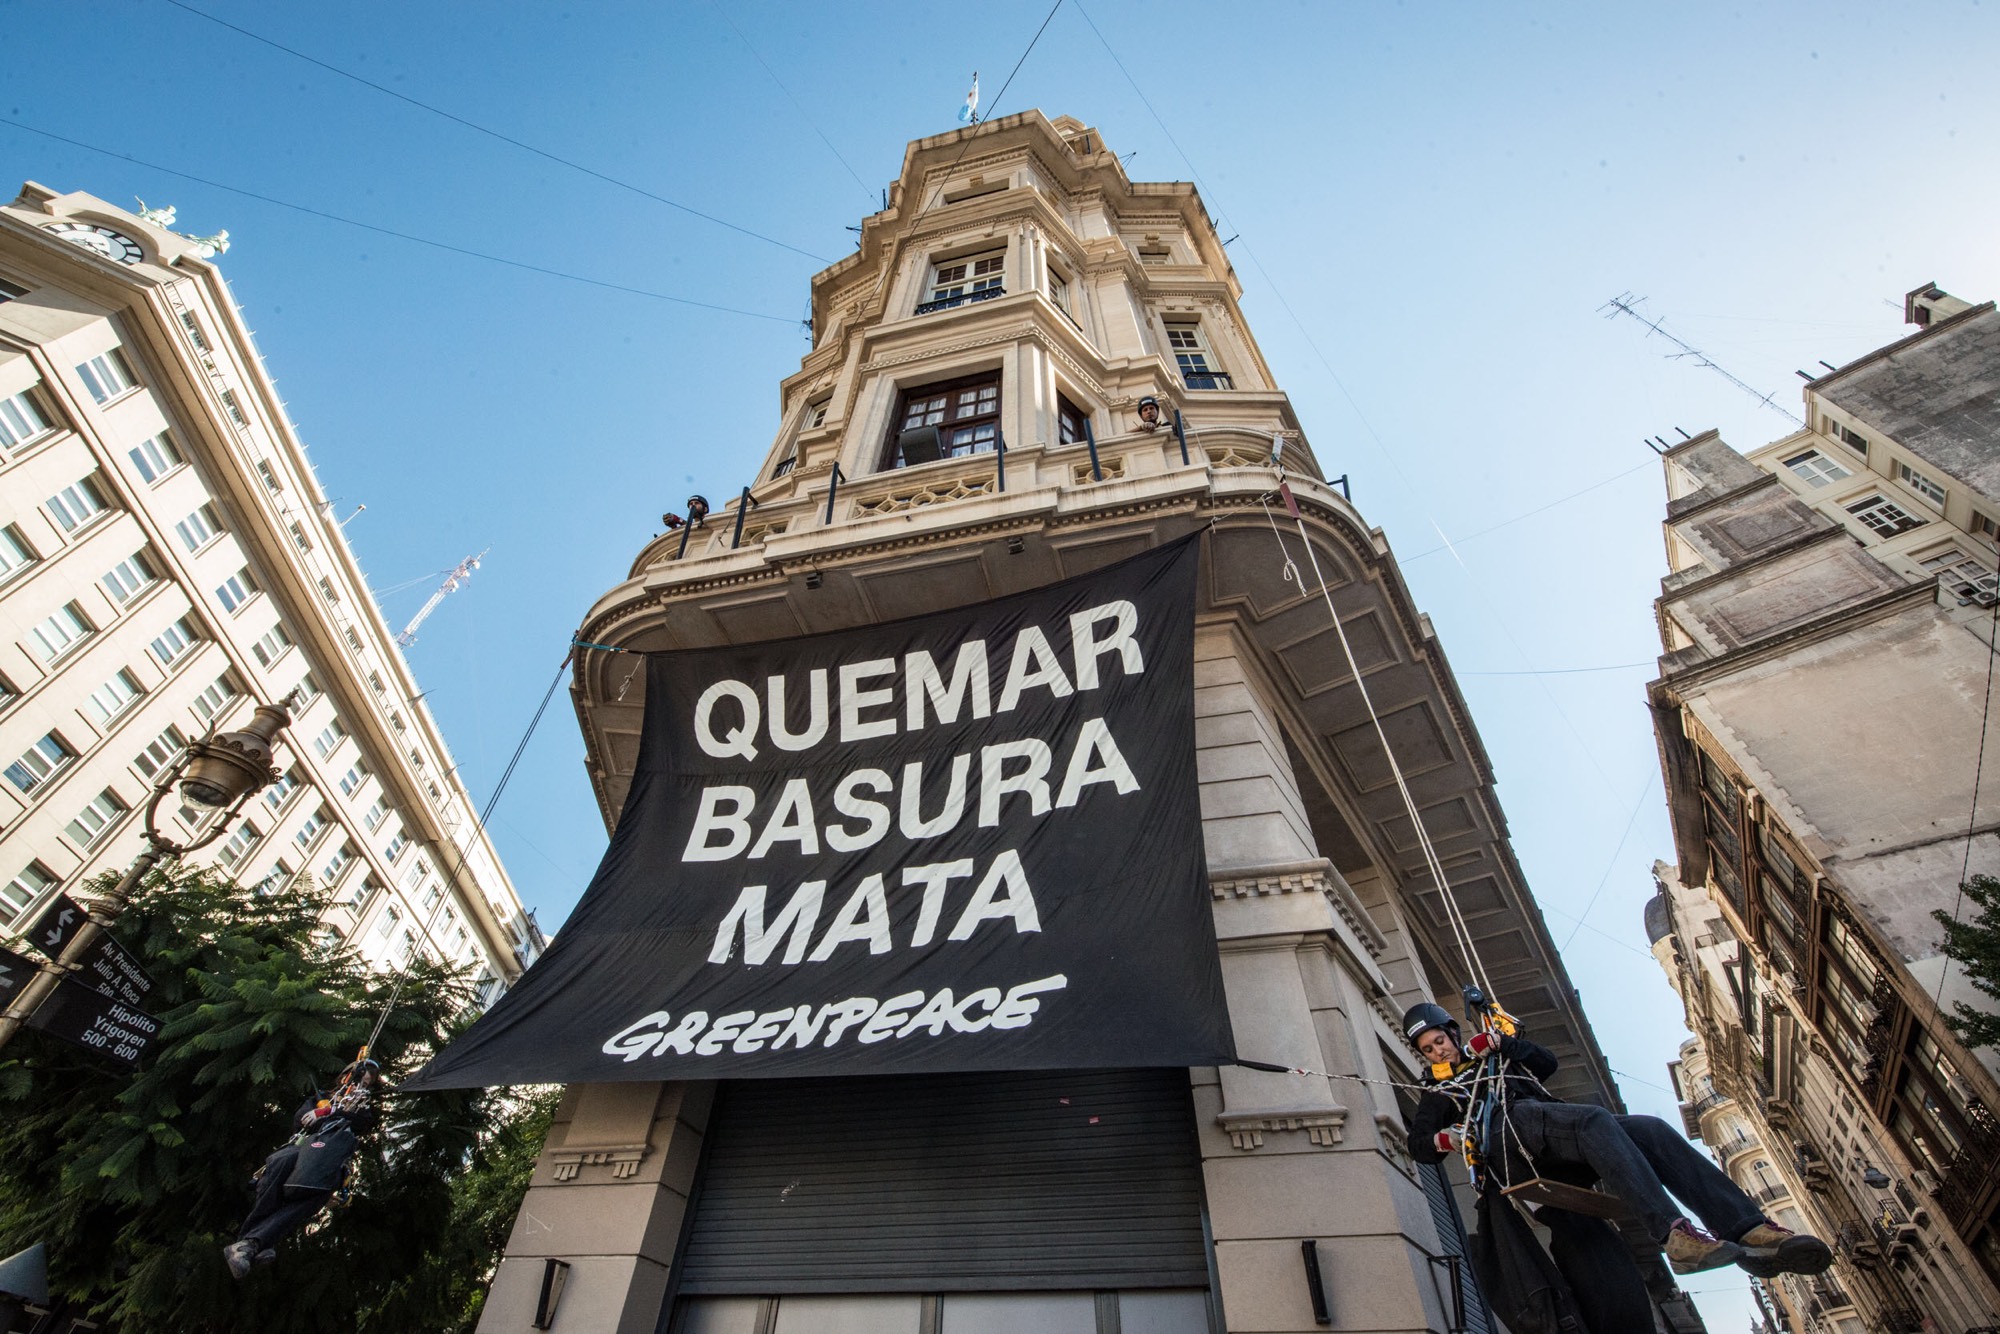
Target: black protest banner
95,1022
967,841
109,969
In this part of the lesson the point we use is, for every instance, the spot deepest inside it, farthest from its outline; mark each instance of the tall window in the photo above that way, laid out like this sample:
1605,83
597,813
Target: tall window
211,701
1927,487
329,738
76,504
174,641
39,763
156,458
271,646
200,528
91,822
310,830
60,632
351,781
1072,423
1816,468
112,698
970,278
21,892
947,420
15,553
241,841
1059,291
236,589
130,577
1191,353
373,817
159,752
22,419
106,375
1884,516
280,791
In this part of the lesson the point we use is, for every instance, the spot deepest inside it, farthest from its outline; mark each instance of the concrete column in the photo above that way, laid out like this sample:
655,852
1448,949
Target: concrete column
1286,1157
608,1195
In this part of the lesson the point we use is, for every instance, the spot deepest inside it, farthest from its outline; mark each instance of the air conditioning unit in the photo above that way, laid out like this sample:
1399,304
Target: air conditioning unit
1924,1181
920,444
1982,592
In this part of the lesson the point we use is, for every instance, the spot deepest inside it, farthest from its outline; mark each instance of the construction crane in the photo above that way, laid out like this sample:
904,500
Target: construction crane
459,574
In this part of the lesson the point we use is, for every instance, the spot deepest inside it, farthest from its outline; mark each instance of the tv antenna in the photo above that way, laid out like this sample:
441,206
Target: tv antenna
1627,304
452,581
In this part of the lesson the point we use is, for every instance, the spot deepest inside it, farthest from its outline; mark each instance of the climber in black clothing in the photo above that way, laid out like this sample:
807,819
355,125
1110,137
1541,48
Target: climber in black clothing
1637,1158
297,1180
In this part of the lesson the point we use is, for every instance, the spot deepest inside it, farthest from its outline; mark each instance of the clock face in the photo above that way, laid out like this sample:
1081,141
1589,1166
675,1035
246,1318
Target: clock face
98,240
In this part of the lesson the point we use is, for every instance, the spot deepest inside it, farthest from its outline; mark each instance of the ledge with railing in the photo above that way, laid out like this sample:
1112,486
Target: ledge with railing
812,497
959,299
1208,379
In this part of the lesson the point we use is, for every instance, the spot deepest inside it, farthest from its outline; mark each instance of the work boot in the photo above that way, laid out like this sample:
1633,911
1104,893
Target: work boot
1691,1251
239,1255
1770,1250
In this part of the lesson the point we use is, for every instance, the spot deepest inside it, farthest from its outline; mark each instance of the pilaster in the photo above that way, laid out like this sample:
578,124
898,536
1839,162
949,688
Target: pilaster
1290,1157
608,1196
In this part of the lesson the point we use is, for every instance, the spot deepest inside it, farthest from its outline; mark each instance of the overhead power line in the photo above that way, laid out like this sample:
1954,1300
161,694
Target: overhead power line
508,139
803,113
390,231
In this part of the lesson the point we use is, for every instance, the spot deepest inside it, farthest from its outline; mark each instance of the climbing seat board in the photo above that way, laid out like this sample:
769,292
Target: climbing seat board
1053,1180
1561,1195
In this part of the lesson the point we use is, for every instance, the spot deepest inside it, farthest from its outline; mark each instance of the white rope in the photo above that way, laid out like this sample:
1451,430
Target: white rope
1461,932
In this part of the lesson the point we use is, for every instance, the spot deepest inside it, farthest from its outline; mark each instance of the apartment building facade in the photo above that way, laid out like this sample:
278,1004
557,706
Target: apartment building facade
1032,367
167,562
1828,623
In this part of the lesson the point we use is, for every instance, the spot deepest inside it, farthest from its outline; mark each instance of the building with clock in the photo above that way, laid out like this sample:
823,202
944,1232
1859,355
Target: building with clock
167,562
1031,367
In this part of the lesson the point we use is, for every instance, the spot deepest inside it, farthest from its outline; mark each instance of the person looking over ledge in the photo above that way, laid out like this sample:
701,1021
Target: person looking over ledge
1640,1159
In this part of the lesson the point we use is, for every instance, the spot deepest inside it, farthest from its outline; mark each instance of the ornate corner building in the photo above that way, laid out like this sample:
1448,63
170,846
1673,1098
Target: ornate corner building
167,562
1828,624
1030,368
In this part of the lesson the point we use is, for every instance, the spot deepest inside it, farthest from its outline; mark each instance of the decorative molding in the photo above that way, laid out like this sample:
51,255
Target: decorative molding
1324,1126
623,1159
1305,878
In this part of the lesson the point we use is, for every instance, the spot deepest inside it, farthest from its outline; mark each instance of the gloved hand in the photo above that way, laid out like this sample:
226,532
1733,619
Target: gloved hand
1449,1142
1482,1044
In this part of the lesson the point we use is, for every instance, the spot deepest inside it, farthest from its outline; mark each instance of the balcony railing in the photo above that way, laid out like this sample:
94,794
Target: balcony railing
962,299
1207,379
1770,1194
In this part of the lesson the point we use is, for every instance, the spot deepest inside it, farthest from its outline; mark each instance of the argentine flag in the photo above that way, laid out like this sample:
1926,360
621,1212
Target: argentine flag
969,113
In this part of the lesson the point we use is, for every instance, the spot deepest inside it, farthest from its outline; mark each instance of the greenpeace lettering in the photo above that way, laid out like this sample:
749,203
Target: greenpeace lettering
970,841
863,1018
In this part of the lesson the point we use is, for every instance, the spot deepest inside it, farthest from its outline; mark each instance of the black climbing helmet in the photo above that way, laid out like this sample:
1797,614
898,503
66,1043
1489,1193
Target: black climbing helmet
1421,1019
355,1069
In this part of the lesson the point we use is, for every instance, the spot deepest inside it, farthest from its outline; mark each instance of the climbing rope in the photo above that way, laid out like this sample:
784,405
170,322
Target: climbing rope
1461,932
403,972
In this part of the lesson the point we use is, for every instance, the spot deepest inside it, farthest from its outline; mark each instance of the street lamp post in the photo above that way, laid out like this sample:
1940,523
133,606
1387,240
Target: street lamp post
216,771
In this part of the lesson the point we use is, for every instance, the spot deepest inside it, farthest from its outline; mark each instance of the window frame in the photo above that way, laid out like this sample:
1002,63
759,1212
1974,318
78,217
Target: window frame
1072,422
1893,526
59,506
237,591
1925,487
124,690
12,537
49,654
182,627
51,752
210,528
37,407
107,807
113,360
156,458
1194,360
948,419
123,582
1815,477
29,893
959,280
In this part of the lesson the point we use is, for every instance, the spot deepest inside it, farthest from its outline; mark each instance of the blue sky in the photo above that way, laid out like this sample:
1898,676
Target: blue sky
1432,203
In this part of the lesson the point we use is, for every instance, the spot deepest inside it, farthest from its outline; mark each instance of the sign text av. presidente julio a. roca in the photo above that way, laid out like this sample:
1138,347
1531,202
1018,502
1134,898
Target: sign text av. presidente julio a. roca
965,841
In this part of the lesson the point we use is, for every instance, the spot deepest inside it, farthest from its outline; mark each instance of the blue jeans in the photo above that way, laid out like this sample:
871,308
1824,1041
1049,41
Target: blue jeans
1640,1159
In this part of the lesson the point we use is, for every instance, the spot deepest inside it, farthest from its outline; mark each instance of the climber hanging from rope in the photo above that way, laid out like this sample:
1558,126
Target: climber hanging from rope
299,1179
1487,1101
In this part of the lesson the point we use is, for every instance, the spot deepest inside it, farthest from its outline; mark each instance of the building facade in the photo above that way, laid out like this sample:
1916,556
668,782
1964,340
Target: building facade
167,562
1828,623
1032,367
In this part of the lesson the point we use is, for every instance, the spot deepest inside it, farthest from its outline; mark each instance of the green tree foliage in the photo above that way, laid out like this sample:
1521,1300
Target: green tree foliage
136,1181
1975,945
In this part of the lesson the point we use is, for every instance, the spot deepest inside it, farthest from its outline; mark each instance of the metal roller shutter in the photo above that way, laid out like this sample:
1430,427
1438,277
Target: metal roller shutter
1451,1234
943,1183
